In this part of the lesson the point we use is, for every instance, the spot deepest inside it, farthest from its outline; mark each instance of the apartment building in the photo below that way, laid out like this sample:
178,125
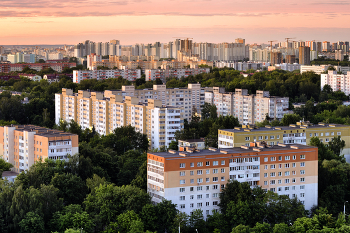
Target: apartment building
194,179
153,74
299,133
129,74
248,108
338,82
58,67
23,145
107,111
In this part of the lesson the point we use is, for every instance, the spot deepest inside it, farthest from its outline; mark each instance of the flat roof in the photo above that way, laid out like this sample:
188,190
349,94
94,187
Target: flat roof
9,173
41,131
192,140
234,150
281,128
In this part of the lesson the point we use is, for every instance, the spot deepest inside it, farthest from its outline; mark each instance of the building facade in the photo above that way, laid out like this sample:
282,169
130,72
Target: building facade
108,111
129,74
338,82
248,108
153,74
194,180
301,133
23,145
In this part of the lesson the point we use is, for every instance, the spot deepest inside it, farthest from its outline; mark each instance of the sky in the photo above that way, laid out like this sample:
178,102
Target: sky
147,21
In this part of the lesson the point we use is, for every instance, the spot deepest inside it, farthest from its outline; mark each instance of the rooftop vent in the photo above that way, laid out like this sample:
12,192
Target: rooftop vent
223,151
212,149
321,123
256,149
282,145
172,151
183,154
237,128
294,147
245,147
268,126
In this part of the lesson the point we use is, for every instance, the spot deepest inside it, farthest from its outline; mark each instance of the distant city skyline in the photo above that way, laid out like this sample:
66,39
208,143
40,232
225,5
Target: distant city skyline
147,21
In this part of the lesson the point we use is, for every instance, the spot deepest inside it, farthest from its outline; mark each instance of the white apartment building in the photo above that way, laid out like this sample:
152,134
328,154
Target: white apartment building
248,108
153,74
129,74
338,82
107,111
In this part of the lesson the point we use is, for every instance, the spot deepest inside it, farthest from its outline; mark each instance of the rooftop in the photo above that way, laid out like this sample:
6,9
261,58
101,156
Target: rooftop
290,127
45,132
235,150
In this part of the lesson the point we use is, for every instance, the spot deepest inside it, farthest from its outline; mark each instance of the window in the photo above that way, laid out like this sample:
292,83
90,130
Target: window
200,180
302,156
273,159
293,180
191,173
302,172
265,182
302,194
272,166
199,172
302,179
273,174
182,190
265,167
207,180
222,178
332,134
286,181
273,189
215,179
207,163
191,197
294,157
207,171
266,159
191,164
287,173
215,163
302,164
279,173
182,181
286,188
222,162
215,194
199,204
182,206
182,165
272,137
286,165
338,133
287,157
272,182
265,174
215,186
182,173
302,186
222,170
279,158
293,173
199,188
215,203
215,171
191,189
199,196
191,181
279,181
206,187
191,205
266,137
199,164
293,165
247,138
182,198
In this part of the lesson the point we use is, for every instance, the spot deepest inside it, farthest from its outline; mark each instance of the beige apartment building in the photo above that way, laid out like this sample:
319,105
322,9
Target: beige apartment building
193,179
299,133
107,111
23,145
247,108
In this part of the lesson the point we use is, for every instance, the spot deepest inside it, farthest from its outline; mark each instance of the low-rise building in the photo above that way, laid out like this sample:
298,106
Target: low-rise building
194,179
23,145
189,144
129,74
153,74
299,133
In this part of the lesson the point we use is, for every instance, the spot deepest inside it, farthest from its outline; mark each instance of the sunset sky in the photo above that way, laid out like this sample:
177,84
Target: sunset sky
147,21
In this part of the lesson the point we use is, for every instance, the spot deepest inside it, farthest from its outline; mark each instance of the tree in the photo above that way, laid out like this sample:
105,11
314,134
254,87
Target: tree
288,119
4,166
109,201
336,145
209,111
32,223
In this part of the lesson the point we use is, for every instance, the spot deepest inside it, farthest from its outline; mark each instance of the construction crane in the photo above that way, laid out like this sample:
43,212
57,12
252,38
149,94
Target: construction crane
271,50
